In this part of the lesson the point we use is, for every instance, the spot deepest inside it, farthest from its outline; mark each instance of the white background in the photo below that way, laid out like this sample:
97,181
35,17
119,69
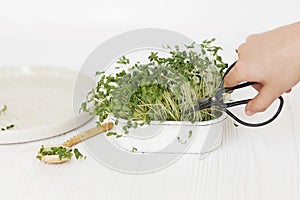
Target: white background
64,32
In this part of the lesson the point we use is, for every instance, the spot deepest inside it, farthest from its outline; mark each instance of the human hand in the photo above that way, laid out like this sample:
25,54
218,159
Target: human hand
272,59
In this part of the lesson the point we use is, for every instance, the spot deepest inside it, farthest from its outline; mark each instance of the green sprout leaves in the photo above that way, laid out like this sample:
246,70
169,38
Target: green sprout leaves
163,89
61,151
78,154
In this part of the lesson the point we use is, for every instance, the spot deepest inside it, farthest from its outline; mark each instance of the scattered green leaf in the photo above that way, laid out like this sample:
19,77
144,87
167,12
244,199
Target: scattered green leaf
2,110
190,134
181,141
235,124
134,149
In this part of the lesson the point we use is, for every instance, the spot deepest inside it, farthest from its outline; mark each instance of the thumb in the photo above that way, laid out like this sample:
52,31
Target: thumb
262,101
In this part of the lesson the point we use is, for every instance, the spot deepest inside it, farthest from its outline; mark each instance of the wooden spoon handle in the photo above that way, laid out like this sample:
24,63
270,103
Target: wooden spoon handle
88,134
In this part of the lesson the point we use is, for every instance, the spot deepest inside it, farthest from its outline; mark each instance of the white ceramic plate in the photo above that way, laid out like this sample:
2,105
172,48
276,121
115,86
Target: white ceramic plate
39,102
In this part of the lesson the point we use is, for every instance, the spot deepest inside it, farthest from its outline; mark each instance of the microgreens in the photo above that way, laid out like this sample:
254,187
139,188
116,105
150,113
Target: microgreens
61,151
163,89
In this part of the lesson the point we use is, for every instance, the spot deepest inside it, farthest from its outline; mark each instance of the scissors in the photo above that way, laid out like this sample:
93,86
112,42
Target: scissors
217,100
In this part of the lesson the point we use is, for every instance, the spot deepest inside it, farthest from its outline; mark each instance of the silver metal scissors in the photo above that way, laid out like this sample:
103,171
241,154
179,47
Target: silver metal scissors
217,100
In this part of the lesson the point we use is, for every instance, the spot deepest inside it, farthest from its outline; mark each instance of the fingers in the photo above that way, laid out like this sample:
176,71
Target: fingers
257,86
234,76
261,102
251,37
289,90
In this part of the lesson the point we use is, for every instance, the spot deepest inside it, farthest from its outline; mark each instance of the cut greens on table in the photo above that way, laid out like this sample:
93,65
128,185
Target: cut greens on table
62,152
6,127
162,89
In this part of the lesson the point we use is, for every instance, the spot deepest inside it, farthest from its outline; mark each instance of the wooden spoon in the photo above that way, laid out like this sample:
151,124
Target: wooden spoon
54,159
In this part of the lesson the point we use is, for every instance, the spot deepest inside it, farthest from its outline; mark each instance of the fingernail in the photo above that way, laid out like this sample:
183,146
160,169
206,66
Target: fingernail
249,112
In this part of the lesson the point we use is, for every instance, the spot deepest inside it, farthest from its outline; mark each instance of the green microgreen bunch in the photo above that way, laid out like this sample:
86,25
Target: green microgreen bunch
61,151
163,89
10,126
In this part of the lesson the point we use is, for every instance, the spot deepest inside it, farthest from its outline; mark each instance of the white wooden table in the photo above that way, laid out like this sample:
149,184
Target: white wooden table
252,163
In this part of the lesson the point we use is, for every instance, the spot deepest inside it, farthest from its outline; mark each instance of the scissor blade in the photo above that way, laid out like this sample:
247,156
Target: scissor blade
203,101
202,104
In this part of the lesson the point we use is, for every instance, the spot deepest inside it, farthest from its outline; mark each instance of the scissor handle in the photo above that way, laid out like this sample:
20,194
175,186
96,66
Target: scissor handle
245,101
242,85
228,89
252,124
229,68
